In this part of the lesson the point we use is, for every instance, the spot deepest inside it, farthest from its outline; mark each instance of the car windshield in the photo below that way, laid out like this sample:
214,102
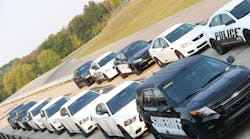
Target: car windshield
23,111
15,110
133,48
123,98
51,110
106,59
38,108
83,101
179,32
241,10
193,78
84,68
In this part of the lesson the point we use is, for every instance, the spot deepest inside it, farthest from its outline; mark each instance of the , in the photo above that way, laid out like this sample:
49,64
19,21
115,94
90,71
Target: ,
199,97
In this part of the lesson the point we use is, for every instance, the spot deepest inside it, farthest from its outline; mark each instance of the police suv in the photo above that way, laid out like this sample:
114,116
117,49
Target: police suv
199,96
229,26
179,41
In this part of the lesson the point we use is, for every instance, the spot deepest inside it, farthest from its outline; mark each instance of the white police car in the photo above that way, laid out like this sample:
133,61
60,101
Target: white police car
103,68
179,41
50,114
116,115
229,25
76,113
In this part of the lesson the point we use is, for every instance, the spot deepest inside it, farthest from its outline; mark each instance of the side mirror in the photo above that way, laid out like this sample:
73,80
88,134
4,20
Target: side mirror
230,59
150,41
230,22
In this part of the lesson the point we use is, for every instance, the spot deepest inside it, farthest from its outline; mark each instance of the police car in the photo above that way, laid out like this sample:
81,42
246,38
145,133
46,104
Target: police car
179,41
199,96
229,26
76,113
103,68
34,117
116,114
50,115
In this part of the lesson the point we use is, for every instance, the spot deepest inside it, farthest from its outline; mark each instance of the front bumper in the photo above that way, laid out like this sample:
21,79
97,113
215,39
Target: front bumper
135,129
195,47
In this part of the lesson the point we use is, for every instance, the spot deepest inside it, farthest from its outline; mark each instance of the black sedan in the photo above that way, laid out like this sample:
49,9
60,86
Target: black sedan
12,117
134,58
82,75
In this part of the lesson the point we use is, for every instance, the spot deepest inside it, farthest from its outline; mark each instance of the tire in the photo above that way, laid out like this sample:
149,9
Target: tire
105,134
137,71
154,132
159,63
83,132
125,133
123,75
79,86
194,133
179,55
247,35
59,132
70,134
98,82
216,46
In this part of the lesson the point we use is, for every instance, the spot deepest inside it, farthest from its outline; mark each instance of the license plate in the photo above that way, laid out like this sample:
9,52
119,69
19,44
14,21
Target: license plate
124,68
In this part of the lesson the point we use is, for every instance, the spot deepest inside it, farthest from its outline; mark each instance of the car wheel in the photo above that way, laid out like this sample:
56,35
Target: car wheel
98,82
125,133
82,131
179,55
79,86
50,131
70,134
247,36
159,63
43,130
59,132
124,75
154,132
137,71
216,46
104,133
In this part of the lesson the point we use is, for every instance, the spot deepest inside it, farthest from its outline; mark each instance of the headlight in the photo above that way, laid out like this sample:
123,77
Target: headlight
186,44
107,70
129,121
88,76
84,120
138,60
56,122
203,112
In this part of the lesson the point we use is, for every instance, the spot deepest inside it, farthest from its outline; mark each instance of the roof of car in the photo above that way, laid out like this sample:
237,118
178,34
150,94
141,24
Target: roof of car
52,102
102,56
229,6
166,32
130,45
73,99
37,104
166,74
115,91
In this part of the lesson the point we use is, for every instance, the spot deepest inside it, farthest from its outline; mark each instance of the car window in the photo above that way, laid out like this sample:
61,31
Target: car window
133,48
106,59
38,108
153,99
216,21
122,98
226,18
55,107
81,102
163,43
241,10
157,43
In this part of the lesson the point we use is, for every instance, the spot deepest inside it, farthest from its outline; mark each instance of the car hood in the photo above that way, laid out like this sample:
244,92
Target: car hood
230,80
126,112
139,54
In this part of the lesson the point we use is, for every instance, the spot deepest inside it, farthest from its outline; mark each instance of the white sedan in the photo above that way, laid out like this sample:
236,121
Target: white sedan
103,68
50,114
116,115
179,41
76,113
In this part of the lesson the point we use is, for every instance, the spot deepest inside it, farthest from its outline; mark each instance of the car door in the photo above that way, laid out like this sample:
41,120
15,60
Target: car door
225,30
162,118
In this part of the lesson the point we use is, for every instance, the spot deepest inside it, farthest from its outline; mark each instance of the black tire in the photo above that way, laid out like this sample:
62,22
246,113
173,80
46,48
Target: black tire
125,133
70,134
137,71
216,46
159,63
59,132
50,131
43,130
154,132
105,134
179,55
98,82
83,132
123,75
247,35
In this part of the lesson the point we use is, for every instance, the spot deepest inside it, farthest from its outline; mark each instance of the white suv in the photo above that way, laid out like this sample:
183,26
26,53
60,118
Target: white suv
50,114
76,113
229,25
179,41
117,116
103,68
34,117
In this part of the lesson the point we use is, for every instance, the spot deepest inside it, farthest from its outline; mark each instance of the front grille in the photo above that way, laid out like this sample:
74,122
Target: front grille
230,104
197,38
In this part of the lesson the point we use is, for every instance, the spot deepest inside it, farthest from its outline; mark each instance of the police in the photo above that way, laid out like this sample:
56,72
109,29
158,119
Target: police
228,34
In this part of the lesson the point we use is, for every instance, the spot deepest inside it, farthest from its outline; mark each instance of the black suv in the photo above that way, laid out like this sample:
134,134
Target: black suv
12,116
199,97
22,116
82,76
134,58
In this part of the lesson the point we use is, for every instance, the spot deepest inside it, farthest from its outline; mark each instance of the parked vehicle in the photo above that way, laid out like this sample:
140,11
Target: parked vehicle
134,58
51,115
179,41
103,68
34,117
82,76
22,119
77,111
116,114
229,26
199,96
12,117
